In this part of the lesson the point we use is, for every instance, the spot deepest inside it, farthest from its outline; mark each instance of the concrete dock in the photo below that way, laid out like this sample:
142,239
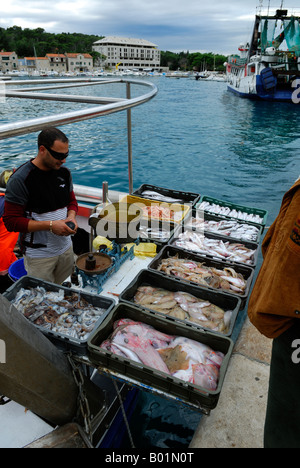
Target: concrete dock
238,420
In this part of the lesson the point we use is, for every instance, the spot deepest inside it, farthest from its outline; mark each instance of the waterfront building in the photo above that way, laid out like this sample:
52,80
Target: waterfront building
127,53
8,62
79,63
58,62
35,64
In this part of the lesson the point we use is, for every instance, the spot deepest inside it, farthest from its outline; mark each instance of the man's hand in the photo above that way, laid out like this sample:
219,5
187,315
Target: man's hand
60,228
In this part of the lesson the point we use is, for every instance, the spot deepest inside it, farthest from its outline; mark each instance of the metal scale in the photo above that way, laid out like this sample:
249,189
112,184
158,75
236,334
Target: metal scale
119,223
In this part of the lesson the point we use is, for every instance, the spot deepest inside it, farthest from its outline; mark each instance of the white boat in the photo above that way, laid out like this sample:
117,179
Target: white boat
268,67
177,75
210,76
14,73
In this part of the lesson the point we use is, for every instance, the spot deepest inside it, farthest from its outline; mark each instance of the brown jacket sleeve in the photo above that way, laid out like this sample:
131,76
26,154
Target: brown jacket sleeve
274,304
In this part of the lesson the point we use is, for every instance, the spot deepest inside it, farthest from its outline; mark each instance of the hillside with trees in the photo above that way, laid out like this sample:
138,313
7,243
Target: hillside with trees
25,42
195,61
28,42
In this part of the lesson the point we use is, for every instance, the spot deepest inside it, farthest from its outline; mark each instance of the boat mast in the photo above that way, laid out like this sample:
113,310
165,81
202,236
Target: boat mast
255,37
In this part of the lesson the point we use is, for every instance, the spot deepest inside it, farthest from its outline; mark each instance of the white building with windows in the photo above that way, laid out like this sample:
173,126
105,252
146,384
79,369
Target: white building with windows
127,53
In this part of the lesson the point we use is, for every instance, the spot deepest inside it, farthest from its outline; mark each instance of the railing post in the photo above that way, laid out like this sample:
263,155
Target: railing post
129,138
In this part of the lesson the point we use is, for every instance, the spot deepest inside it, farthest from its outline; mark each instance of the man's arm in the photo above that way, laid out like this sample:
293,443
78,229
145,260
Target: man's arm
73,210
14,218
15,221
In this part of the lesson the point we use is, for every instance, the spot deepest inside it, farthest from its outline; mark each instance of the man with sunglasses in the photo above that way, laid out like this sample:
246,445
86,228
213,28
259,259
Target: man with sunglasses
39,201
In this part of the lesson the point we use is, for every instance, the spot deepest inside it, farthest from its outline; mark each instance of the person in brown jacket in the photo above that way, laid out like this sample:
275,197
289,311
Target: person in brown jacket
274,309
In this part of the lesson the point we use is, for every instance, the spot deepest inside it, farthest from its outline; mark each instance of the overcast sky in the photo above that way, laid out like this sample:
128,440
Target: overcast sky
175,25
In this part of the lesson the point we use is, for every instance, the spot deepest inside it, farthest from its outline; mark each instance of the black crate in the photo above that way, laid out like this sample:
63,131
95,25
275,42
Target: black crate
150,278
63,342
185,197
211,217
248,245
246,271
148,378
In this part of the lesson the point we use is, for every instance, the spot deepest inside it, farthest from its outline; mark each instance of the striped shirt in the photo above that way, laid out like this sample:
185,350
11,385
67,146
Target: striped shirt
41,196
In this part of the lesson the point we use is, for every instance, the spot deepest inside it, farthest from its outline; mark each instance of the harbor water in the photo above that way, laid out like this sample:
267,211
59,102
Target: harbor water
193,136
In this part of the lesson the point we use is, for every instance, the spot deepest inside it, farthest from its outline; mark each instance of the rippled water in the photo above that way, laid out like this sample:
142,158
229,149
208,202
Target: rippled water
193,136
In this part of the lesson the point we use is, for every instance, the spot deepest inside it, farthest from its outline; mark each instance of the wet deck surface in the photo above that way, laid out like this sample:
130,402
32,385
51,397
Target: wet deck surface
238,420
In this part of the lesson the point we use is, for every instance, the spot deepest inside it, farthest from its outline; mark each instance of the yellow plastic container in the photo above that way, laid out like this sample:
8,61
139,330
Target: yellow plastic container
177,212
102,242
145,249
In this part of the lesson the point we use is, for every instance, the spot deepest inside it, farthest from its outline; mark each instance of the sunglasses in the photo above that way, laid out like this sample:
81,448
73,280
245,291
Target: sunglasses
56,155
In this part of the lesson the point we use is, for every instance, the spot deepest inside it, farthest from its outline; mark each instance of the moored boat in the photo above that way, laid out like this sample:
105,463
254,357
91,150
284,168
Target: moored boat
268,68
177,74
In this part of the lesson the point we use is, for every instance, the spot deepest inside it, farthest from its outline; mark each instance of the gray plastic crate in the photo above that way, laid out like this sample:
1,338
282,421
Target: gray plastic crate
149,378
64,342
208,235
214,217
185,197
150,278
246,271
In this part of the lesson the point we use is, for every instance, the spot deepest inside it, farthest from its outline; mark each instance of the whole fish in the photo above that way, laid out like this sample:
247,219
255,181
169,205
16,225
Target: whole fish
197,242
227,211
197,272
184,306
196,362
199,352
228,227
146,232
143,341
205,376
61,312
181,357
151,194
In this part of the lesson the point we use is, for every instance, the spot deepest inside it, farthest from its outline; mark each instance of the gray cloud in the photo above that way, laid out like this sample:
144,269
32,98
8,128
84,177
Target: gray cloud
193,25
